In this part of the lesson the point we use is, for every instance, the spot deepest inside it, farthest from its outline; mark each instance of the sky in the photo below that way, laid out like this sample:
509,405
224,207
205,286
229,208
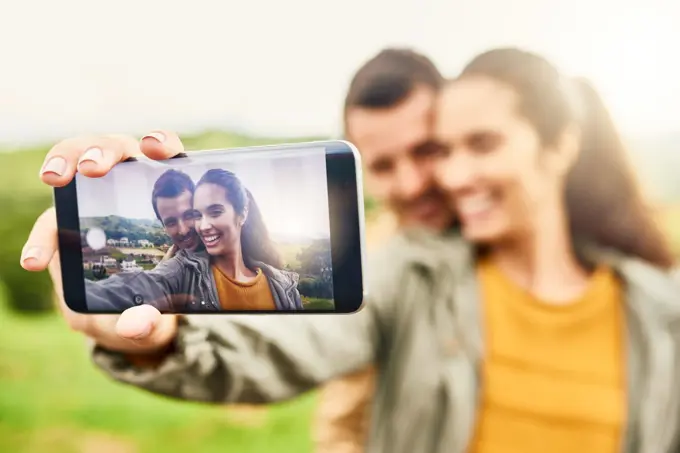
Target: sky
281,68
291,191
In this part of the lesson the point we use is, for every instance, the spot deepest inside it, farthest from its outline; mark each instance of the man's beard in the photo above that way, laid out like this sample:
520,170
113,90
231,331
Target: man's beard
181,242
433,200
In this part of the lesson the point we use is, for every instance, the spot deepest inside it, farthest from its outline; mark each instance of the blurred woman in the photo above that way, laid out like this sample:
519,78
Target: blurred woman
547,321
242,265
538,174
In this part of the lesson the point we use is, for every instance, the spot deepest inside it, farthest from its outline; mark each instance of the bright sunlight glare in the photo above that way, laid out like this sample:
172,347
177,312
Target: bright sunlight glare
633,63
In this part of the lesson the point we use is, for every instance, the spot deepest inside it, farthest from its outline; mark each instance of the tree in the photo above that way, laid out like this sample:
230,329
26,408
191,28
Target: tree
316,268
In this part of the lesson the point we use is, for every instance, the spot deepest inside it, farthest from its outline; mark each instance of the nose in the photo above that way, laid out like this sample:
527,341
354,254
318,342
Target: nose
185,227
203,224
411,181
456,172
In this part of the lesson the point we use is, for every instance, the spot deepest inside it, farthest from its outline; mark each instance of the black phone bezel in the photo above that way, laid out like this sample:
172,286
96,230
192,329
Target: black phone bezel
345,204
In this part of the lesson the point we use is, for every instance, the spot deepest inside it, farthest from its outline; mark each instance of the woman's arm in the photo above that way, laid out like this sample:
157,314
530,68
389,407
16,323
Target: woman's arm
254,359
262,359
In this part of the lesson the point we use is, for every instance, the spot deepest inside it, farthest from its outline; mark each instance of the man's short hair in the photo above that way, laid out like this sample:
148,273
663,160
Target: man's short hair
171,184
389,77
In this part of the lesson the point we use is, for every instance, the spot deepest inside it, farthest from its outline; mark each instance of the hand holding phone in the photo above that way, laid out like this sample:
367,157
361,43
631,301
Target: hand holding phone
138,330
222,237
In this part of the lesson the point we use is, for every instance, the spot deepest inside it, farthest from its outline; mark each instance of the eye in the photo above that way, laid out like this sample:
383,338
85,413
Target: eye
381,166
215,212
484,141
191,215
431,149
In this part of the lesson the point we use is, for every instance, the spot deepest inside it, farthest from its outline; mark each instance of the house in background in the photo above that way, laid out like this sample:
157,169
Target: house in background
130,265
106,263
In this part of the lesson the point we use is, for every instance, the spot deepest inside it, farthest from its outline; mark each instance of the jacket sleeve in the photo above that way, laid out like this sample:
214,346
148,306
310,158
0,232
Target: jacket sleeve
260,358
158,287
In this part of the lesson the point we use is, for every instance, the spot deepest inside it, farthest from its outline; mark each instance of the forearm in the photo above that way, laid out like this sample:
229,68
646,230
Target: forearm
260,359
120,292
255,359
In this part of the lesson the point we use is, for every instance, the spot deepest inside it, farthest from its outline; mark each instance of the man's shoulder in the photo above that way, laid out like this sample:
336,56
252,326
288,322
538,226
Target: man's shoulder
411,250
391,256
418,246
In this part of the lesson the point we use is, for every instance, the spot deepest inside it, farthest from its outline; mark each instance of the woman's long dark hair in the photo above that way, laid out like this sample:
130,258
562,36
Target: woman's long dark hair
603,198
256,244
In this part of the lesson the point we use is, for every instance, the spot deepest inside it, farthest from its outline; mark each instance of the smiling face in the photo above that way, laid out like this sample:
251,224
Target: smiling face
498,176
218,225
176,214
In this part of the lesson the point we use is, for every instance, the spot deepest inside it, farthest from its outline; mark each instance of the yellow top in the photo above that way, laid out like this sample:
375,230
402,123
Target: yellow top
252,295
553,379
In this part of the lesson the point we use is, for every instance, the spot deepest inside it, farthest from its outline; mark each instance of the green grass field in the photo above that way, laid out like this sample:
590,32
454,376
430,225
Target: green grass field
315,303
52,399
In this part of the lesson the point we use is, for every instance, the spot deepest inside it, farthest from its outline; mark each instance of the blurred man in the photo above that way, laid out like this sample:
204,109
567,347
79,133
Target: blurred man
388,115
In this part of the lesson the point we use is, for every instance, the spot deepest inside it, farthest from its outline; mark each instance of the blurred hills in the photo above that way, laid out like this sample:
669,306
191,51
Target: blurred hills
656,158
19,166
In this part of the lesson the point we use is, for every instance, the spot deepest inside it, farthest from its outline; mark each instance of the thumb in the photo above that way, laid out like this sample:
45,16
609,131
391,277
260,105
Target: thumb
146,328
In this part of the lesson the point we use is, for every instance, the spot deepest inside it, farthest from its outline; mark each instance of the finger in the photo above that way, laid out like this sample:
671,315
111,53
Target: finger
41,243
41,249
40,252
91,156
161,144
146,327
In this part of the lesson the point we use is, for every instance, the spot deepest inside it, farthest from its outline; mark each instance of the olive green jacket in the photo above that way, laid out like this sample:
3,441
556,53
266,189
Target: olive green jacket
421,326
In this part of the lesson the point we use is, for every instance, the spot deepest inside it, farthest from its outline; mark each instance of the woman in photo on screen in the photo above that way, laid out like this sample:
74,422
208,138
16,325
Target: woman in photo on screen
547,319
239,270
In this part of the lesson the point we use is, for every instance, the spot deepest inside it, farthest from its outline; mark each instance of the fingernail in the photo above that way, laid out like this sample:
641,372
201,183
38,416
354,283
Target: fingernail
158,136
91,155
32,253
56,165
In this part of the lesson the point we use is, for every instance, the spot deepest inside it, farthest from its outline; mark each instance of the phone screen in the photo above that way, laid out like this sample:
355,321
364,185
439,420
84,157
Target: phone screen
249,230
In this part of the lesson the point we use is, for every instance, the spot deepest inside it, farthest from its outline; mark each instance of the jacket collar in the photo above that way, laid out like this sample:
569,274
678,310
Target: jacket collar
200,262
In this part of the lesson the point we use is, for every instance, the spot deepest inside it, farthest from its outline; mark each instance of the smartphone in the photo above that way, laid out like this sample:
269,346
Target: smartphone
265,229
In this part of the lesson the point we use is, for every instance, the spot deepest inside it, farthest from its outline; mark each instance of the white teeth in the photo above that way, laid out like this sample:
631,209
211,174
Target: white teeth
211,238
474,204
